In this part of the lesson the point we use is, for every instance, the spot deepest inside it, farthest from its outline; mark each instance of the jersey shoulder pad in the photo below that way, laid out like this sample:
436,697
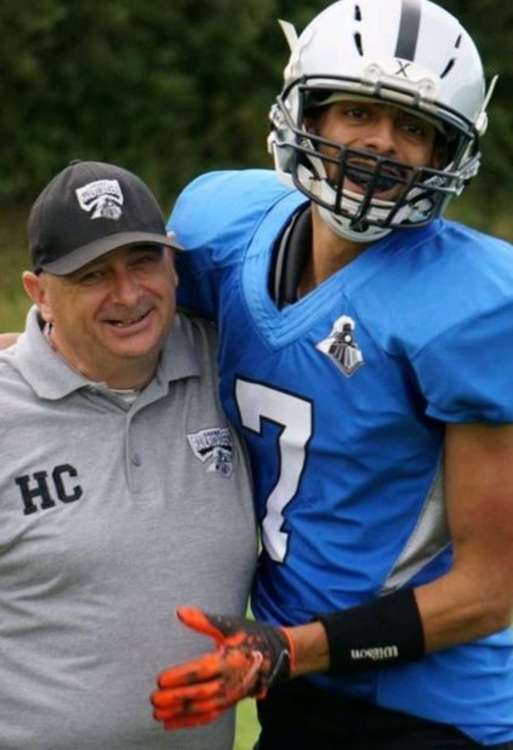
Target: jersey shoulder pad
221,210
433,281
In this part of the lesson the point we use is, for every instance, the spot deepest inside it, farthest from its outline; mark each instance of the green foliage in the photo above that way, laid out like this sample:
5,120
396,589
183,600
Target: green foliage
170,89
13,260
159,87
490,23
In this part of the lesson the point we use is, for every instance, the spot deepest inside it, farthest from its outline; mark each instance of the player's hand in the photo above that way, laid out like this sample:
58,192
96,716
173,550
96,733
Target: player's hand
249,657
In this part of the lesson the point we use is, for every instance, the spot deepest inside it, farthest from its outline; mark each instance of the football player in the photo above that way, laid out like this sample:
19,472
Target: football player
367,356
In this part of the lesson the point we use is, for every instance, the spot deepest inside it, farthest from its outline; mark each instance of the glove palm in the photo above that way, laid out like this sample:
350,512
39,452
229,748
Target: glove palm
249,657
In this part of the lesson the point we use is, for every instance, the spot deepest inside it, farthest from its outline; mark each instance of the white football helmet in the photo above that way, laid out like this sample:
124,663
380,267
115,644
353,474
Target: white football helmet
409,53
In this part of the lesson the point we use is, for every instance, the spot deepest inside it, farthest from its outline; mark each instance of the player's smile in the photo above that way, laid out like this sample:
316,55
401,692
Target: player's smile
360,173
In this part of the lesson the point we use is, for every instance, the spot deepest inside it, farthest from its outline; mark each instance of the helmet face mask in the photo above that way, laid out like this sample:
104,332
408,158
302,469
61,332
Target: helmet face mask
389,193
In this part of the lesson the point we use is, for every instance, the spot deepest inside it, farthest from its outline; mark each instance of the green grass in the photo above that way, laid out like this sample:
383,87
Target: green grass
13,261
247,726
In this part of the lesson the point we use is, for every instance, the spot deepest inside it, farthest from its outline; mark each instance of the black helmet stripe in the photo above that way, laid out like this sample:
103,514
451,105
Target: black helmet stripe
408,29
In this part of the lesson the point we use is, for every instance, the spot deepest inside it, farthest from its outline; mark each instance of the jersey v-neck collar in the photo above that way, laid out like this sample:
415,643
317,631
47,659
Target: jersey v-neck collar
282,326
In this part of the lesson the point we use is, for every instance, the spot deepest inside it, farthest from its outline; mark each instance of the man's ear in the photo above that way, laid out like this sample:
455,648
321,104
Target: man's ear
36,286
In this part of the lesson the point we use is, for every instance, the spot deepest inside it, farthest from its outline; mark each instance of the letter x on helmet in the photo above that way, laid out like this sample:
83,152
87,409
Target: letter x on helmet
408,53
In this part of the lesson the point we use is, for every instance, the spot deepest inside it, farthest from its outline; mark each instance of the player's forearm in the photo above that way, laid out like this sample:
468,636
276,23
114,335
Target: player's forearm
454,609
475,597
461,607
310,648
382,632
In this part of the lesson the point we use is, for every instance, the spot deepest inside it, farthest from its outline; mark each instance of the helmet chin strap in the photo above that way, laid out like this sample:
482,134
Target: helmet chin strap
318,185
340,226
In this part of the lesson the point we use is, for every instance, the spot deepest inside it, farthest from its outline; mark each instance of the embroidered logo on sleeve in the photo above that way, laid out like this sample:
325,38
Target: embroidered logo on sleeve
214,447
341,346
103,197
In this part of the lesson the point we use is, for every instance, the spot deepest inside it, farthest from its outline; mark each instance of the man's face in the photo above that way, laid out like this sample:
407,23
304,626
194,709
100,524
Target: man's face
381,129
114,312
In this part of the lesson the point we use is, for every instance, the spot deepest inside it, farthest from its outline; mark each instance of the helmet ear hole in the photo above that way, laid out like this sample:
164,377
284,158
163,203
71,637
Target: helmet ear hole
446,147
442,155
312,129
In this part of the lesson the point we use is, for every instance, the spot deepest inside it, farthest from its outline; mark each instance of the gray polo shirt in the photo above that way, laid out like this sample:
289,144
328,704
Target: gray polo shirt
111,515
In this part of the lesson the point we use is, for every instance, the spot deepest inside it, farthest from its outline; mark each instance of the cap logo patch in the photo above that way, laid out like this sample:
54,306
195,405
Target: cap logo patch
214,446
341,346
103,197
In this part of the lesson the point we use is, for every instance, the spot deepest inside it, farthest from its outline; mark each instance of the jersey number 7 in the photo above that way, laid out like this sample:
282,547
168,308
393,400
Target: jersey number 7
257,402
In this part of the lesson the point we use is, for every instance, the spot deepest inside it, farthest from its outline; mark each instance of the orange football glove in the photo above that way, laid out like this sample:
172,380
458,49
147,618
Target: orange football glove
249,658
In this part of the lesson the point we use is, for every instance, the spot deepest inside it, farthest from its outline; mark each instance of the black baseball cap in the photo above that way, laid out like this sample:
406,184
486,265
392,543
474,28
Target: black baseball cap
89,209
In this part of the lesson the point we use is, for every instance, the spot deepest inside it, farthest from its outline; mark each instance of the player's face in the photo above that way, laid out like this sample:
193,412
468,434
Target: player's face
381,129
113,313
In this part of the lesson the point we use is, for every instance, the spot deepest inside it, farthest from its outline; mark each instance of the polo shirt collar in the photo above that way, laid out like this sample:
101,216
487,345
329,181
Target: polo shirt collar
179,357
52,378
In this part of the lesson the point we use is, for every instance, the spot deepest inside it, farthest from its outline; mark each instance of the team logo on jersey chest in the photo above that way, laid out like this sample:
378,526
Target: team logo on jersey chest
341,346
214,447
103,197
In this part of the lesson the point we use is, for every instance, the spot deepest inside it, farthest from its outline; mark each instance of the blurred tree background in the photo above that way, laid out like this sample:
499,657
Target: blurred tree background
170,89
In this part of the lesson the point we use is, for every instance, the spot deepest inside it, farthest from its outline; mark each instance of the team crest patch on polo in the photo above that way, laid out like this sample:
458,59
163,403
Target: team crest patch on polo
103,197
214,447
341,346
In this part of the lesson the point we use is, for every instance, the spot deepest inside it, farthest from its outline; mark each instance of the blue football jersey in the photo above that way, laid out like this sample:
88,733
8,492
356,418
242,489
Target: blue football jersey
342,398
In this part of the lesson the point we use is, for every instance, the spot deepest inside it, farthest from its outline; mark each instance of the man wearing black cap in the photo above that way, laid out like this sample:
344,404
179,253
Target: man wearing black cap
118,474
103,275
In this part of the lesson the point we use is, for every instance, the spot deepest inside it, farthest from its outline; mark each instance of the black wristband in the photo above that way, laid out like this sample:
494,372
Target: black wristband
386,631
